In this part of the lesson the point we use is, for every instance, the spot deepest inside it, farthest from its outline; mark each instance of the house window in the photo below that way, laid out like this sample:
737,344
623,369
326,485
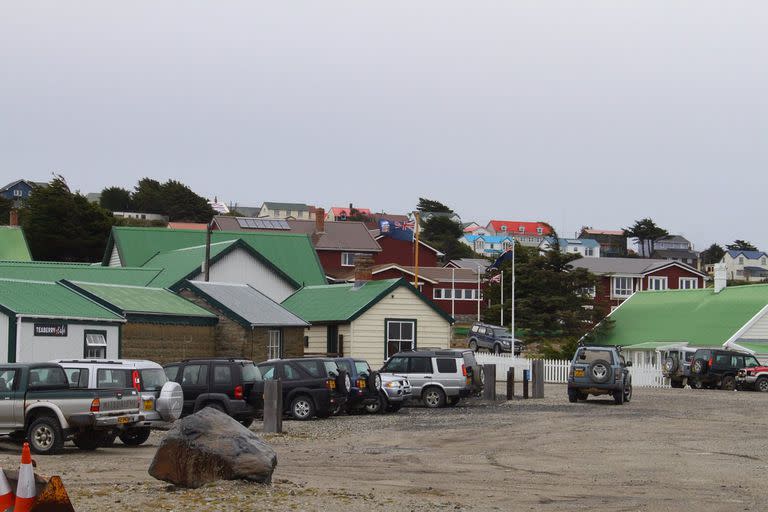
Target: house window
741,260
274,344
18,193
688,283
400,335
503,227
437,293
347,259
622,286
95,345
657,283
521,229
506,245
762,261
540,230
479,245
589,251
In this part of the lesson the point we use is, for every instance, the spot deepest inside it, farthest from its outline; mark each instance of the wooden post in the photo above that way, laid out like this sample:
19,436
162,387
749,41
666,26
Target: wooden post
538,378
525,383
273,406
489,389
511,383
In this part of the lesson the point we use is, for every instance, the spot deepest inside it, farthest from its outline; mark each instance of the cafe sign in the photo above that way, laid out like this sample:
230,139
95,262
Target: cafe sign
51,330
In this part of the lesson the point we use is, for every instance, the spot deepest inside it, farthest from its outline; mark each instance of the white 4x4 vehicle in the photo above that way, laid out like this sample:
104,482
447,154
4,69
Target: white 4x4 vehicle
161,399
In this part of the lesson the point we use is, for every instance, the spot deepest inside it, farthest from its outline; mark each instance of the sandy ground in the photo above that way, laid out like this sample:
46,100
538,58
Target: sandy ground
667,449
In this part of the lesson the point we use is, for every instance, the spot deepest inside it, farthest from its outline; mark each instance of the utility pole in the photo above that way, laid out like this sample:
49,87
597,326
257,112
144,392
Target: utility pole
512,312
207,262
502,298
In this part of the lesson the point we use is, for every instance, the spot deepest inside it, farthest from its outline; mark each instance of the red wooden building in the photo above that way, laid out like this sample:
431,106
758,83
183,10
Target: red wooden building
621,277
402,252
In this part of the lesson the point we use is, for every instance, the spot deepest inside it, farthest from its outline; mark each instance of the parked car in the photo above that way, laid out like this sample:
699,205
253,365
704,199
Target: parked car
717,368
311,386
395,392
493,338
753,376
366,383
39,405
677,365
232,386
599,370
161,400
439,377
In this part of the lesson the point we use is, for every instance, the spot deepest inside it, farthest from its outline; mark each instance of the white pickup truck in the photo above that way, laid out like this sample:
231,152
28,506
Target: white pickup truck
37,404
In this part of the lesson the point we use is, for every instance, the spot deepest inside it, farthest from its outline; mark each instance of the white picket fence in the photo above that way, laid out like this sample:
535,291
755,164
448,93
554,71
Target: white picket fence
556,370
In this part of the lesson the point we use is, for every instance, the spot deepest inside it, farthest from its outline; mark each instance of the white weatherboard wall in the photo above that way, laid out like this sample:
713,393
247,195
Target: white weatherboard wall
114,258
31,348
318,338
757,332
240,267
4,337
368,331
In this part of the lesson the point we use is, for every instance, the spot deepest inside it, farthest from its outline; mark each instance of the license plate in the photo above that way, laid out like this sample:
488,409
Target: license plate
149,405
123,420
578,373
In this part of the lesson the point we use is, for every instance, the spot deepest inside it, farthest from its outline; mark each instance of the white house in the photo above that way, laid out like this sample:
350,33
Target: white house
585,247
746,265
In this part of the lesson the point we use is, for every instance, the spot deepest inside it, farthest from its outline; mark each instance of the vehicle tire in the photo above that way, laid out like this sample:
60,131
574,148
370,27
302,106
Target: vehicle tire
761,384
343,382
337,409
473,345
497,349
600,371
699,367
374,381
670,365
628,391
582,396
394,407
247,422
695,384
618,397
88,441
453,401
302,408
45,436
676,383
378,407
433,397
573,395
728,383
108,440
135,436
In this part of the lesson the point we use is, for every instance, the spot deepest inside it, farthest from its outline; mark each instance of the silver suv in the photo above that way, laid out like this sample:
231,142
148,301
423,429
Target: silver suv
439,377
677,365
395,392
599,370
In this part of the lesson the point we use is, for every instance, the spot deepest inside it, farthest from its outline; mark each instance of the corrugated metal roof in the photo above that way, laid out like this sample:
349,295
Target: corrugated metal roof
53,271
700,317
636,266
291,253
143,300
13,244
180,263
50,300
246,303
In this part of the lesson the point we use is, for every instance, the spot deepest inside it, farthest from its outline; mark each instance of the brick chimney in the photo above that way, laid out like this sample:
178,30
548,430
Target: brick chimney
320,220
14,218
363,267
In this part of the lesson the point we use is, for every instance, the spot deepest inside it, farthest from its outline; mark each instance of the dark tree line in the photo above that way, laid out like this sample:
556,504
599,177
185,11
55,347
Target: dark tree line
173,199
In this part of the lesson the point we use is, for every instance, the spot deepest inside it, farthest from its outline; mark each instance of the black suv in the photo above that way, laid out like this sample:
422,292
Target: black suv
714,369
233,386
492,338
311,386
366,383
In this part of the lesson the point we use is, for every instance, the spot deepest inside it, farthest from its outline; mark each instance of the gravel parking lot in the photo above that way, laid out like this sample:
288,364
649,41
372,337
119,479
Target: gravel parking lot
667,449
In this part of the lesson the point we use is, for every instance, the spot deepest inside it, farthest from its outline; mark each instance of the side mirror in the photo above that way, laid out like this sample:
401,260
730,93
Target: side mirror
629,363
582,356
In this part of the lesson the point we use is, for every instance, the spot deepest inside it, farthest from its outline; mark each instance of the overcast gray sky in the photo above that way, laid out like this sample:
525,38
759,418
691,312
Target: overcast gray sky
574,112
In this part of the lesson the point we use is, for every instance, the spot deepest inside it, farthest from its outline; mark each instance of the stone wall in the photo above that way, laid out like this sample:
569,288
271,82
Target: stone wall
167,343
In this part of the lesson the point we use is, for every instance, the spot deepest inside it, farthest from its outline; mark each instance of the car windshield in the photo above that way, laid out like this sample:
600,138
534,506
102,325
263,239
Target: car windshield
332,368
689,356
251,372
347,366
396,365
501,333
152,380
362,367
51,377
591,355
750,362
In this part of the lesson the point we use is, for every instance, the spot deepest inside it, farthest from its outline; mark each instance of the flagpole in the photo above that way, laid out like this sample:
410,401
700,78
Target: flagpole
416,257
478,293
512,312
502,298
453,292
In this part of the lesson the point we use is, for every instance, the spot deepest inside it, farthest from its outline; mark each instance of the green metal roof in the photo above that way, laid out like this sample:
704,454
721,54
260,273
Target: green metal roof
180,264
141,300
52,271
292,253
345,302
13,244
756,346
700,317
50,300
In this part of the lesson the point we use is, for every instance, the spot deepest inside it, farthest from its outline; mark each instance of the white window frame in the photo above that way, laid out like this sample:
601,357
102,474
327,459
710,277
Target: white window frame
345,257
274,344
95,345
506,245
503,227
18,193
400,340
589,251
521,229
692,283
741,260
663,280
615,289
540,230
479,245
437,293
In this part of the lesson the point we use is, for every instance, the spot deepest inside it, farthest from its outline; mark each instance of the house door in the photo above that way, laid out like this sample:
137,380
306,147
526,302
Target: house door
333,340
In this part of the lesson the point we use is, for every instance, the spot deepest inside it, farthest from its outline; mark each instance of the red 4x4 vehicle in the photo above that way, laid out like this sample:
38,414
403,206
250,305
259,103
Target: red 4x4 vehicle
754,377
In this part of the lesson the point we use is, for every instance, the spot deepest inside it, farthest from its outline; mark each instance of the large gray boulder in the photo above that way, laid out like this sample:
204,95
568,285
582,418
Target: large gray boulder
209,446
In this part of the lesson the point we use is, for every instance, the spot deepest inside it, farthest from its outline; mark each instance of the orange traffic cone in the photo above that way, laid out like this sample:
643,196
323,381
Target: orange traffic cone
26,492
6,493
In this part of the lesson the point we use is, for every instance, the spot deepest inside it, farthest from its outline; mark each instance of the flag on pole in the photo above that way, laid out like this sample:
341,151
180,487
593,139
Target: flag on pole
496,278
